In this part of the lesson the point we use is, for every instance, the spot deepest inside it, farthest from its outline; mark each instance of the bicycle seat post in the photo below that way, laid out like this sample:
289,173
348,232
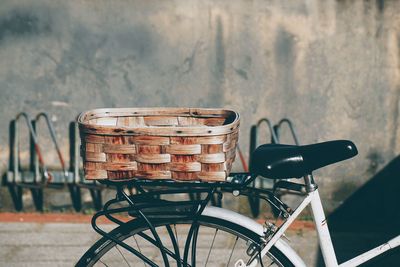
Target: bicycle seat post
311,186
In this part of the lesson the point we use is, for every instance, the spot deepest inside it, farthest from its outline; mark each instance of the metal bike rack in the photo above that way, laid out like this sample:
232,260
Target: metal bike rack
277,129
36,177
274,138
28,178
254,201
254,135
94,187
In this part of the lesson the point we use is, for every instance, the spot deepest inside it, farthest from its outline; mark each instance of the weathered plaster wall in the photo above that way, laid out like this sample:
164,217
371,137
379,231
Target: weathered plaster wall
330,66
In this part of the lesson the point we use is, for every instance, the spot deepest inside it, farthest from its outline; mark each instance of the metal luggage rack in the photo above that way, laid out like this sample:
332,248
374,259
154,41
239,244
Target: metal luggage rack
150,205
36,176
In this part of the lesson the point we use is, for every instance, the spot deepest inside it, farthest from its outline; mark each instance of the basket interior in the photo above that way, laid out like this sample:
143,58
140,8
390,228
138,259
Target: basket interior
156,120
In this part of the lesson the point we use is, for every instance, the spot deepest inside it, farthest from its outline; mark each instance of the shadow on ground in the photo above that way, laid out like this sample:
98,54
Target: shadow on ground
368,218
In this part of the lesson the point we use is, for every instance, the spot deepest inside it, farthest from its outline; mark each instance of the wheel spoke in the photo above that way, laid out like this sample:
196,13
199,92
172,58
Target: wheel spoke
230,256
176,235
212,244
122,255
137,244
103,263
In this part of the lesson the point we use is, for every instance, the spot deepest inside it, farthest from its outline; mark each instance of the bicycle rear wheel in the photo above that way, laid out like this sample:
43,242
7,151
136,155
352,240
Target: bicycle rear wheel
220,243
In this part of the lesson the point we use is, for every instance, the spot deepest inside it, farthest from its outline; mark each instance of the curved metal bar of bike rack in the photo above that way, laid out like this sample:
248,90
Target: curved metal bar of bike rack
274,138
255,202
33,135
14,184
38,177
38,193
254,136
291,128
53,138
13,168
79,183
277,128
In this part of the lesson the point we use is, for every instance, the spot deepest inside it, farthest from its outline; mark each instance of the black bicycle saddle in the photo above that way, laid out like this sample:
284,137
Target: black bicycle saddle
277,161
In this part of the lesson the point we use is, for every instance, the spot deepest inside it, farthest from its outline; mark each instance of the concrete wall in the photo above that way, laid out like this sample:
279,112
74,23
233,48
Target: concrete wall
330,66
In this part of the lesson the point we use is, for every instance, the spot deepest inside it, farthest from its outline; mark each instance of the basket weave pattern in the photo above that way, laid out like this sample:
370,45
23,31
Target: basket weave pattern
179,144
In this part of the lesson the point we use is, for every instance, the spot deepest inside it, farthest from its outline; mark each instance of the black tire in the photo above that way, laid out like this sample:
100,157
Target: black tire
95,255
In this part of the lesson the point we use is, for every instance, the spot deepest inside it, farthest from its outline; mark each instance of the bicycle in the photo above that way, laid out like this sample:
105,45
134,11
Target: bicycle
153,211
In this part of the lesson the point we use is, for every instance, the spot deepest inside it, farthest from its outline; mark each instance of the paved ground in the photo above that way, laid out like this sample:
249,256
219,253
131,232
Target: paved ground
59,243
37,244
60,240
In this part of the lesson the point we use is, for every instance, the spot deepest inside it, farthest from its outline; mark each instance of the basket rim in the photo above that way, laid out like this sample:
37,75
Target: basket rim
158,130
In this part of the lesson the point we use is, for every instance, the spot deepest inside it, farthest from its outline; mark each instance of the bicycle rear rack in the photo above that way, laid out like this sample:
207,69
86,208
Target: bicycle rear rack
149,207
36,176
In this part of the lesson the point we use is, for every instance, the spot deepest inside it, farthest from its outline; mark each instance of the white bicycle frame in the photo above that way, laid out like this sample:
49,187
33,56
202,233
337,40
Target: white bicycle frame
324,237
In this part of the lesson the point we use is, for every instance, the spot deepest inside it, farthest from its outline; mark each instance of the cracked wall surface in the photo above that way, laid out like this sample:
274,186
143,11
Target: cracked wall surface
330,66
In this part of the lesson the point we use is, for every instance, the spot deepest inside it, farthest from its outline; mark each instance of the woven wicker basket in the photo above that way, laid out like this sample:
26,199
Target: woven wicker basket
158,143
